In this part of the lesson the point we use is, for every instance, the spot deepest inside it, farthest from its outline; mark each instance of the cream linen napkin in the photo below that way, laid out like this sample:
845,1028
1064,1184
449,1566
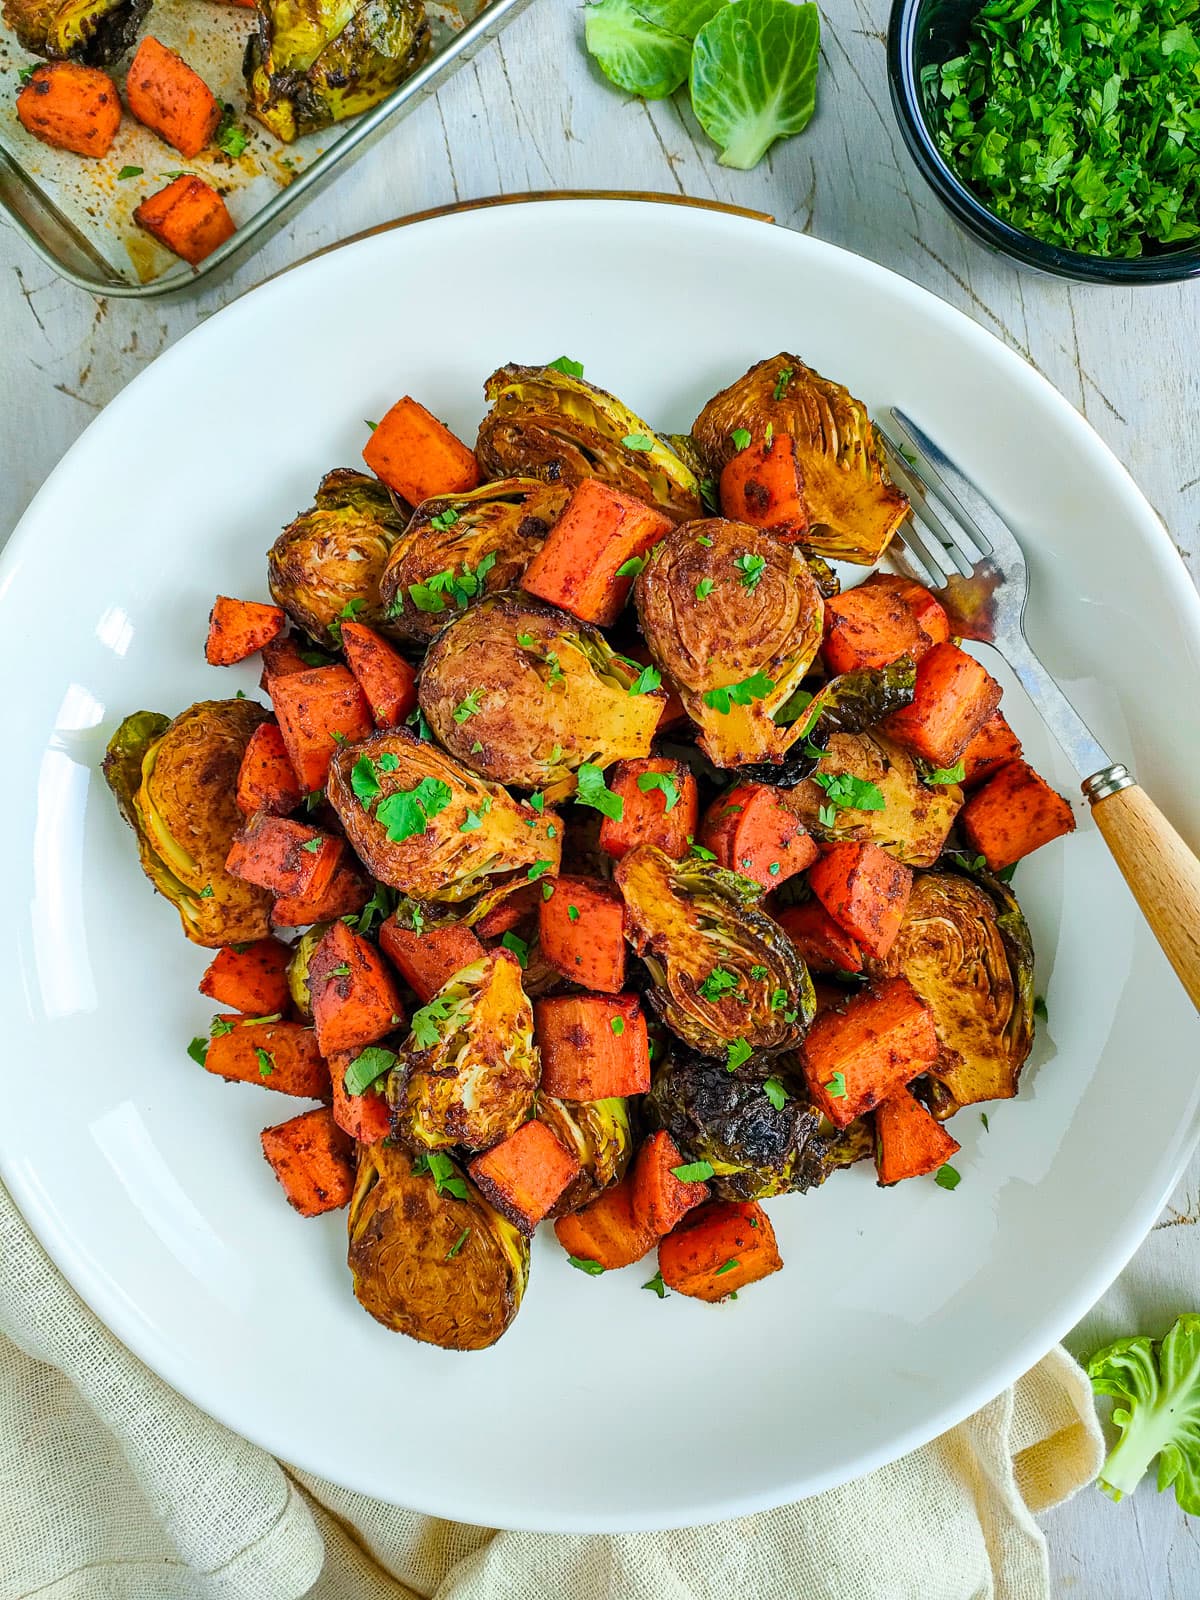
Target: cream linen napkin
113,1487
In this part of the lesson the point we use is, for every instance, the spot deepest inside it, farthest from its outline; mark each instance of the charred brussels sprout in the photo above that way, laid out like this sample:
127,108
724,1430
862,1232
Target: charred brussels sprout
539,691
326,565
964,946
297,969
853,506
546,424
847,704
421,823
723,970
310,63
429,1256
459,547
174,783
97,32
471,1067
597,1132
735,616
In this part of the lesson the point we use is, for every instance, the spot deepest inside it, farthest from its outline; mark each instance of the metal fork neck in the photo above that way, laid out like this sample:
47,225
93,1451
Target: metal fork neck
1108,781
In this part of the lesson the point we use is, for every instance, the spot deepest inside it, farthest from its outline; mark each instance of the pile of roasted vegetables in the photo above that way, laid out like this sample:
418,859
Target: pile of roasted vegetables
578,768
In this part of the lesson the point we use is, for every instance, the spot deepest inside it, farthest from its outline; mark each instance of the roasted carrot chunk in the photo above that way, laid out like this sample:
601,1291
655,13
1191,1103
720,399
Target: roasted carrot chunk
313,1160
593,552
865,891
267,780
384,677
355,1000
252,979
581,931
824,945
418,456
312,706
992,748
277,1055
592,1046
933,625
237,628
510,911
1015,813
870,626
753,829
524,1175
764,485
908,1141
429,959
188,217
347,894
952,699
867,1049
659,1198
659,806
287,857
283,655
718,1249
605,1230
366,1117
174,102
71,107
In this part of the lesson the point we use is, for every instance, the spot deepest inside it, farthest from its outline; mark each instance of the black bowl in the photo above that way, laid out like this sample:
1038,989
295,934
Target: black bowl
925,31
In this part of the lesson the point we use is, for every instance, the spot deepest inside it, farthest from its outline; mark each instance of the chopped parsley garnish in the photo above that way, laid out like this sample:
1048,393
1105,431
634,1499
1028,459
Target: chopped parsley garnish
198,1050
738,1053
573,913
657,1286
547,891
947,1177
638,441
632,567
389,761
476,747
312,846
827,816
230,138
594,792
693,1172
592,1268
758,973
340,971
266,1062
408,812
704,588
648,679
441,1169
983,1117
458,1244
220,1027
431,595
703,538
779,999
954,774
469,706
348,613
518,946
781,383
718,984
527,641
129,172
537,869
708,494
427,1023
538,801
847,792
703,852
207,892
740,438
751,568
568,368
368,1067
444,519
739,694
836,1087
775,1093
662,781
1039,1008
726,1266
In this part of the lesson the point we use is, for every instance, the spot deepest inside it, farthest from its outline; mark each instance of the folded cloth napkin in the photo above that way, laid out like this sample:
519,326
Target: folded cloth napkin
113,1487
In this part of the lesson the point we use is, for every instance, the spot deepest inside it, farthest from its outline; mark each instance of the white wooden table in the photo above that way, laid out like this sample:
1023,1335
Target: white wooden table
532,113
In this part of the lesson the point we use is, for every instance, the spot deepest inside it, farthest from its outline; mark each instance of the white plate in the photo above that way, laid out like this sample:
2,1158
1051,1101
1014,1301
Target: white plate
603,1408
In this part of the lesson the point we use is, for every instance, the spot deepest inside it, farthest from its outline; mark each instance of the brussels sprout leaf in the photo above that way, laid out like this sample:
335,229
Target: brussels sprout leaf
754,76
594,792
663,781
1158,1387
644,46
693,1171
408,811
368,1066
592,1268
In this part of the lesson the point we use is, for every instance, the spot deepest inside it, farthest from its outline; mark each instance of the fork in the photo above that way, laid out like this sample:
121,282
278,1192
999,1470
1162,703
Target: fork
956,544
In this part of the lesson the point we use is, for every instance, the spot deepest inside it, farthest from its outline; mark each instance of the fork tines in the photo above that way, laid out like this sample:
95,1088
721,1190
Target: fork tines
939,537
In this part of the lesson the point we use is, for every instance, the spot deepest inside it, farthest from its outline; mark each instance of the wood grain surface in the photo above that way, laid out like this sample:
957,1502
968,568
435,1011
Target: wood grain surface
531,113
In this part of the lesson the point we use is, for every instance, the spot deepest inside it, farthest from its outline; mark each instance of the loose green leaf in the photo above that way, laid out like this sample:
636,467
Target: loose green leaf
573,913
441,1169
781,383
229,137
428,1022
594,792
947,1177
738,1052
444,519
129,172
647,680
693,1172
657,1286
312,846
538,869
644,46
775,1093
568,368
662,781
954,774
409,811
220,1027
983,1117
198,1050
368,1067
1157,1389
592,1268
703,852
751,688
754,76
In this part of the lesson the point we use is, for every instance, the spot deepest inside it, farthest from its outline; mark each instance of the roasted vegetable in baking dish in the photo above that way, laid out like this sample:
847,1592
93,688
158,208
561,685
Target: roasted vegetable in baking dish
97,32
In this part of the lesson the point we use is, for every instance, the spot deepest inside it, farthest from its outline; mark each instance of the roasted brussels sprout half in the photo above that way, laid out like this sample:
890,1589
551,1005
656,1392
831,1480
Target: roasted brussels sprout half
459,547
297,969
471,1068
175,783
846,704
853,506
97,32
546,424
310,63
735,616
915,817
429,1256
724,972
326,565
423,824
964,946
597,1132
538,691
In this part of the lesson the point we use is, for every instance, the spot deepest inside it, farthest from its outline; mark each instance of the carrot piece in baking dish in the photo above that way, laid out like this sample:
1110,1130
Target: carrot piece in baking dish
600,532
71,106
277,1055
865,891
581,932
823,944
993,746
908,1141
355,1000
385,678
659,805
659,1198
870,626
593,1046
237,628
524,1175
429,959
764,486
952,699
312,707
718,1249
605,1231
188,217
251,979
753,829
417,456
347,894
267,780
1015,813
289,858
366,1117
866,1050
314,1161
166,96
933,625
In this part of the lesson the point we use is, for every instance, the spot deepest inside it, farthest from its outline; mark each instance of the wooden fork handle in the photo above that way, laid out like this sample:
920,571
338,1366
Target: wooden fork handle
1161,871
